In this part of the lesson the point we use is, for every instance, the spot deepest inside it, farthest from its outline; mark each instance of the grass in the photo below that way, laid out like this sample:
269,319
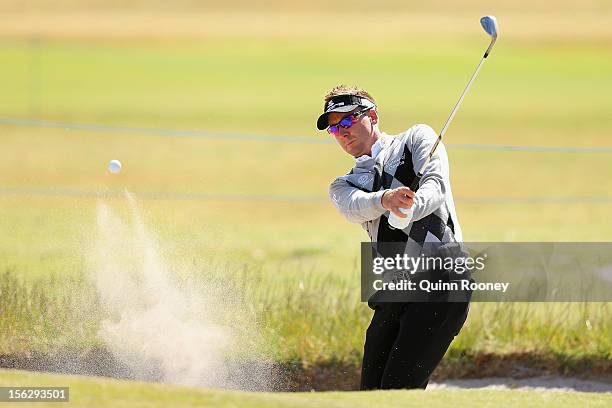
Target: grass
307,319
114,393
206,83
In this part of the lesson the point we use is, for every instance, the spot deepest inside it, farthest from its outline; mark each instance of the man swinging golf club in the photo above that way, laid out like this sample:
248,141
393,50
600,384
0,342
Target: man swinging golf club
399,191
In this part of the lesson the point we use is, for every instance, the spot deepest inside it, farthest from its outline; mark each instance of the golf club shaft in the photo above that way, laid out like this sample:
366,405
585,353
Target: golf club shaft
415,183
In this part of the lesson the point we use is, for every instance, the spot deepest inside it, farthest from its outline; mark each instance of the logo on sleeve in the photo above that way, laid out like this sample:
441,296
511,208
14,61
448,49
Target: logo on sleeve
365,180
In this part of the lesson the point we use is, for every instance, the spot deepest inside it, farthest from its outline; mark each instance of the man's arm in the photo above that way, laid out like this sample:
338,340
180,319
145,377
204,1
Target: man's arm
356,205
432,187
360,206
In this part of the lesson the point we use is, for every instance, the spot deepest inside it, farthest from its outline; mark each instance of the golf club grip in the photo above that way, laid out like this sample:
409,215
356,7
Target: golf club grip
415,182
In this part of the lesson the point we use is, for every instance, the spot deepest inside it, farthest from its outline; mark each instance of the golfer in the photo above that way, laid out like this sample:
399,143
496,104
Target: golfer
405,340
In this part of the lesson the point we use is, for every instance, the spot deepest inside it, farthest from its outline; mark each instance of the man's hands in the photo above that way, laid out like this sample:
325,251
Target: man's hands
396,198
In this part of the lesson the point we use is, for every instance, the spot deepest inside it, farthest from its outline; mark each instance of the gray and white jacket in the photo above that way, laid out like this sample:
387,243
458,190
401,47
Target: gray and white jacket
394,163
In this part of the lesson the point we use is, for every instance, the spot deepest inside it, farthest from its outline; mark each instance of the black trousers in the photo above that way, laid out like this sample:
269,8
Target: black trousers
406,341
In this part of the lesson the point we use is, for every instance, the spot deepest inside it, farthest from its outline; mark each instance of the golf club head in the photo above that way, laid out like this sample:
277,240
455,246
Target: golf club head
489,23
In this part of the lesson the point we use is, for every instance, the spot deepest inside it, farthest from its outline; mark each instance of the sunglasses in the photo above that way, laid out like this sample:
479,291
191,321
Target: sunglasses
346,122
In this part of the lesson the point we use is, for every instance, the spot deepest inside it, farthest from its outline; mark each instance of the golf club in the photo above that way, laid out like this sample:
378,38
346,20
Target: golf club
489,23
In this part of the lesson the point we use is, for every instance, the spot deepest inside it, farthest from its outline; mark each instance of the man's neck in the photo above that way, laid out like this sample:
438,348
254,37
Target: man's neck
376,134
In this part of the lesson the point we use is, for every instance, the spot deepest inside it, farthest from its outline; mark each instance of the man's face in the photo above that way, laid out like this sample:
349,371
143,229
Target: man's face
358,139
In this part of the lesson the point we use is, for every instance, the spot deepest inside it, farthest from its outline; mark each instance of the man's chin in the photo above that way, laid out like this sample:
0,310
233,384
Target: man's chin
353,151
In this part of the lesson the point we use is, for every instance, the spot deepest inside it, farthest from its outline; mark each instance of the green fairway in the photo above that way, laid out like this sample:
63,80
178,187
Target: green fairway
95,392
523,97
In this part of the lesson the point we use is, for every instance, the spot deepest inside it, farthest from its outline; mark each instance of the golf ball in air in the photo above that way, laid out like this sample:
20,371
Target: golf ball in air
114,166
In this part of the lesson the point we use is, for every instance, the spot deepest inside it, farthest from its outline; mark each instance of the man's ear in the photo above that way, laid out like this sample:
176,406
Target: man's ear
374,116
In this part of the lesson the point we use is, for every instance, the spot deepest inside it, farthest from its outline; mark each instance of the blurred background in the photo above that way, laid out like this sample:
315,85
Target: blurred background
211,108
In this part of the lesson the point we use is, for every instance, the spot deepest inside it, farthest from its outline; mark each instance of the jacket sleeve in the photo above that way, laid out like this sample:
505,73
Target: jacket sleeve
356,205
432,187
